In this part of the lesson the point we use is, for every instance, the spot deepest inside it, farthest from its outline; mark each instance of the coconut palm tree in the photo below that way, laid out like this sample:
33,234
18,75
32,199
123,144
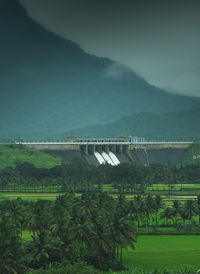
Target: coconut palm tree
189,210
198,206
167,214
44,249
16,211
137,209
176,210
100,241
61,221
149,208
11,248
158,204
40,217
123,235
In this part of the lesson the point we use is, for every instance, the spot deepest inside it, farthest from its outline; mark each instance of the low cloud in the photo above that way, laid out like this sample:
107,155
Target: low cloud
187,84
157,39
117,71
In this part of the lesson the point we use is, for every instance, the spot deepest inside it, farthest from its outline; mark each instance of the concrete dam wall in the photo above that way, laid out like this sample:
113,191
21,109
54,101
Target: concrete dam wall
163,156
115,152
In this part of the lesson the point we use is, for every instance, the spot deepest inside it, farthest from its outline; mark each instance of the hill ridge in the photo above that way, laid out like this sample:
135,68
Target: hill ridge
179,125
50,85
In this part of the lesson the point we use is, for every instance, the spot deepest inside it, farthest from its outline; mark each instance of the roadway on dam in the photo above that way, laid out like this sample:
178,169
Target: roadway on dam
106,142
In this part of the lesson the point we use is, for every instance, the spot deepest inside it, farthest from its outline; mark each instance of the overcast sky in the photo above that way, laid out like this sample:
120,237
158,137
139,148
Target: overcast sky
158,39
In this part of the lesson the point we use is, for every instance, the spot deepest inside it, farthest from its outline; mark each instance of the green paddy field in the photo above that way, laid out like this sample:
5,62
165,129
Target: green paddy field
170,252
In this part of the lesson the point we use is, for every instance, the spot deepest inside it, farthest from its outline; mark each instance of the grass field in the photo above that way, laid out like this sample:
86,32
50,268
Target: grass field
31,188
9,154
29,196
161,252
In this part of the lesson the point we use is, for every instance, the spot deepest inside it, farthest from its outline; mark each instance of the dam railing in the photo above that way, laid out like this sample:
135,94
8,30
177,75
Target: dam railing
103,143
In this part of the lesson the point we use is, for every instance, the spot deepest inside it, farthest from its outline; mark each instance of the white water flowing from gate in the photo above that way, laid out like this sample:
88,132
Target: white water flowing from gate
100,159
114,158
107,158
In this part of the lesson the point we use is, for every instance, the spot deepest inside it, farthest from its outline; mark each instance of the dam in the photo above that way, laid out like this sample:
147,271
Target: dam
114,151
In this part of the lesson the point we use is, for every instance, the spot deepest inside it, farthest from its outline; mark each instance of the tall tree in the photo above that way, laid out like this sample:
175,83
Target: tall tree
11,249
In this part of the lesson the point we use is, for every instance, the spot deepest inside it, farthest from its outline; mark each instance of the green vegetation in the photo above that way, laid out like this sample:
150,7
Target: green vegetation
28,196
159,252
26,235
164,252
11,248
12,154
89,229
46,174
191,156
94,232
93,228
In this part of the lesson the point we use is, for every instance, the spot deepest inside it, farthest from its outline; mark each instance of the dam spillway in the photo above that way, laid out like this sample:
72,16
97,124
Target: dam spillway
107,158
114,158
114,151
99,157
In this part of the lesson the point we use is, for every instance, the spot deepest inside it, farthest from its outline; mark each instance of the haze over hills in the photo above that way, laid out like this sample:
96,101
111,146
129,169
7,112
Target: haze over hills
49,85
173,126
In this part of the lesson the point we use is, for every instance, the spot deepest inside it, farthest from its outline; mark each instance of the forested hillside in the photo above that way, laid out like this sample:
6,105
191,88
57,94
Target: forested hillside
50,85
182,125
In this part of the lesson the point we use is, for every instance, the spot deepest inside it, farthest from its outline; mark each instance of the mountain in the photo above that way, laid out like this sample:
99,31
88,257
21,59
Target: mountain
181,125
49,85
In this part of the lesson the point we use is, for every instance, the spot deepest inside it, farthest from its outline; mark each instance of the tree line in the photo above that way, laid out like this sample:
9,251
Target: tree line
82,177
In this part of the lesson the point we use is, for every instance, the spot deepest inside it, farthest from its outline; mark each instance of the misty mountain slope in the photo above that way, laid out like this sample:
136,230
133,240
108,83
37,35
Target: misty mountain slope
182,125
49,85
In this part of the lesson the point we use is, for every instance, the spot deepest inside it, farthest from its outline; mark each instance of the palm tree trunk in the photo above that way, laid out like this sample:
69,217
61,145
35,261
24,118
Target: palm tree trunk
113,256
121,255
